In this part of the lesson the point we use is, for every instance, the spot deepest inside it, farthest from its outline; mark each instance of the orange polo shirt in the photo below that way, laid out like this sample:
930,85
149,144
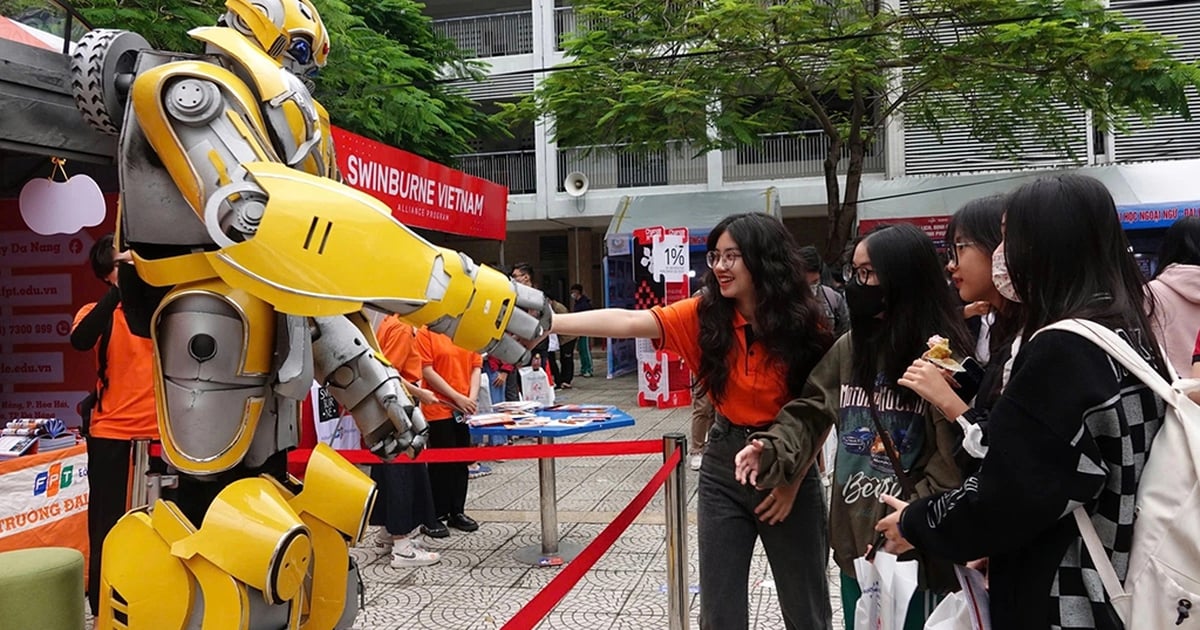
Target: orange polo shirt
126,408
397,341
757,387
454,364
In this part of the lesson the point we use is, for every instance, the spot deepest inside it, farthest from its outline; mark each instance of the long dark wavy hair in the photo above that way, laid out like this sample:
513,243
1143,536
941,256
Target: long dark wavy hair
918,303
788,322
1069,258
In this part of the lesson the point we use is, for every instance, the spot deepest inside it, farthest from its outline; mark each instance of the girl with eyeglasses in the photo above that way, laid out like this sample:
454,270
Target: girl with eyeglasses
974,234
898,299
752,337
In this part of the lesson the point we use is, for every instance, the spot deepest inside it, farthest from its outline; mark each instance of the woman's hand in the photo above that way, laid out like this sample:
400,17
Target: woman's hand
975,309
890,526
934,385
776,506
500,379
465,405
745,463
423,396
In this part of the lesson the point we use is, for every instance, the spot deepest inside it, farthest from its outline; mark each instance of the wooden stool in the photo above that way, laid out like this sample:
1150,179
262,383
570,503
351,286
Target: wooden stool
42,588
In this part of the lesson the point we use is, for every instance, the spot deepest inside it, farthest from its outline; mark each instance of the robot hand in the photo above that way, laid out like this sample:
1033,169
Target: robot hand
402,427
345,361
528,324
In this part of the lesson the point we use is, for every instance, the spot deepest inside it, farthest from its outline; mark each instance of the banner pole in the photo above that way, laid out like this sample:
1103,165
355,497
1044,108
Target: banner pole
677,555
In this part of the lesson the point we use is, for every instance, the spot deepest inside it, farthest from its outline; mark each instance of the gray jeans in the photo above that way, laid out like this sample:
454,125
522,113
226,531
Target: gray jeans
797,549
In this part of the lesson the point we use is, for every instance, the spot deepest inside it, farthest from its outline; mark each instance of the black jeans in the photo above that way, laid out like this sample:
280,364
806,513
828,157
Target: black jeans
448,481
108,481
566,362
797,548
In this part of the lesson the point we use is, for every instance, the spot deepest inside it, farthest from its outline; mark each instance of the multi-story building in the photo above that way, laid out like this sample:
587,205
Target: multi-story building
916,172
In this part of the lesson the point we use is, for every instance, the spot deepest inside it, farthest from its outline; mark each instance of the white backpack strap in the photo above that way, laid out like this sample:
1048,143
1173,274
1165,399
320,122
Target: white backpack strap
1104,567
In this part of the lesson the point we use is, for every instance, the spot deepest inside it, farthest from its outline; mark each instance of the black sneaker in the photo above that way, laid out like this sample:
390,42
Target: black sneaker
435,530
462,522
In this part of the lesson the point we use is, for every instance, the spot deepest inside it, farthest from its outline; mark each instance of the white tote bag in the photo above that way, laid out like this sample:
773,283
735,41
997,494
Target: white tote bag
965,610
535,386
887,585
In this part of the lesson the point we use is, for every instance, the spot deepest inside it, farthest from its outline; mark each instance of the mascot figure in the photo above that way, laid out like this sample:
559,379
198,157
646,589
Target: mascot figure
252,267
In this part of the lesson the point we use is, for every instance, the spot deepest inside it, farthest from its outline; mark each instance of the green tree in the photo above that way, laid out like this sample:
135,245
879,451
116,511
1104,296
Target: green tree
386,73
719,73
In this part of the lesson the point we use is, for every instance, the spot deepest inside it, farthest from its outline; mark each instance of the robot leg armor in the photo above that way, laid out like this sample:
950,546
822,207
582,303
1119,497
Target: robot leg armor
214,349
346,363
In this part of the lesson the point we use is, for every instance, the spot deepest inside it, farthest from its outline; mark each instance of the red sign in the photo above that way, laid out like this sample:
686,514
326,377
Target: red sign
422,193
43,282
935,227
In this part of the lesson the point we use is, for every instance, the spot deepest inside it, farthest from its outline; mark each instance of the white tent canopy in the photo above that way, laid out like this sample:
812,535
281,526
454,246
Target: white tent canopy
695,211
1130,184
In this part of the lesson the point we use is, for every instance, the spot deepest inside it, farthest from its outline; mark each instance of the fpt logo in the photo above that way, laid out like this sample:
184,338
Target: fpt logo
49,482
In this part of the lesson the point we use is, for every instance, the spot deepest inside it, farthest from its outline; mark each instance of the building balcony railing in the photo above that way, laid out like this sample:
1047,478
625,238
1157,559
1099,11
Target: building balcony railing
515,169
494,35
791,154
567,22
609,167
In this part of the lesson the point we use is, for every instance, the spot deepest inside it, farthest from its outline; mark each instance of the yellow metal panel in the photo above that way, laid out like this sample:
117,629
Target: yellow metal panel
156,590
147,99
265,70
324,249
164,272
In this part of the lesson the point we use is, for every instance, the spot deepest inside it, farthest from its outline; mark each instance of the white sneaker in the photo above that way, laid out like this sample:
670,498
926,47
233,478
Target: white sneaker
695,460
405,555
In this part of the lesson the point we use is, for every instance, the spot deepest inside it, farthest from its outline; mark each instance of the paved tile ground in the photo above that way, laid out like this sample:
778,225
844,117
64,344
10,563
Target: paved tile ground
479,585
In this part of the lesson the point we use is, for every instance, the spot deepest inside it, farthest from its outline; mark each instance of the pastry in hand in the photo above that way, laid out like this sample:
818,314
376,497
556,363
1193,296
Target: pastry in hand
939,354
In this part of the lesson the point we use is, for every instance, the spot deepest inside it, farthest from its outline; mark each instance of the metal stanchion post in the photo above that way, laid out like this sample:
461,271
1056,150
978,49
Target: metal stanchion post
548,502
677,555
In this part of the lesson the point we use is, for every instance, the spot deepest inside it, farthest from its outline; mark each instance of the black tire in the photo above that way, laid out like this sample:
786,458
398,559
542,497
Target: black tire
102,69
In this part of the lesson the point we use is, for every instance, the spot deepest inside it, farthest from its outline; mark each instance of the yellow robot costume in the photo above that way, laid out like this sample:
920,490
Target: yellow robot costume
248,259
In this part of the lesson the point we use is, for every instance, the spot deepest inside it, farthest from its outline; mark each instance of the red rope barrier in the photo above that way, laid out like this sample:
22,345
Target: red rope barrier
540,605
483,453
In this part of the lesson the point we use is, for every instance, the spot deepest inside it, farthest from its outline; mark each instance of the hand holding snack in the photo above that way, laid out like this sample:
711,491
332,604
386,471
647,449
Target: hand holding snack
939,354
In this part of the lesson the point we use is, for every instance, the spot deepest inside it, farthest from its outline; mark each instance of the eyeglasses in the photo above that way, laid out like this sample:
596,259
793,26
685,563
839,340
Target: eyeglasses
861,275
957,248
727,259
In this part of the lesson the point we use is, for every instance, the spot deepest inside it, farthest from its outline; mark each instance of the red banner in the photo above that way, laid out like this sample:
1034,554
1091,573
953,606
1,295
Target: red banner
934,226
422,193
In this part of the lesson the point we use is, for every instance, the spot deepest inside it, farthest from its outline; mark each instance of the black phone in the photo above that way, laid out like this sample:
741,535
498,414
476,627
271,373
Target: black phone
969,379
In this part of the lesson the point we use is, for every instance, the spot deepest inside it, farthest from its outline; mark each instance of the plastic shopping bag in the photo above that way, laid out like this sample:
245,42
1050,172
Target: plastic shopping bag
886,586
552,344
965,610
535,386
483,401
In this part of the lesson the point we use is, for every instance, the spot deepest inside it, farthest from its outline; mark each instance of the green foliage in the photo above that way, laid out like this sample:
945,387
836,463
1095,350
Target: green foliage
385,74
720,72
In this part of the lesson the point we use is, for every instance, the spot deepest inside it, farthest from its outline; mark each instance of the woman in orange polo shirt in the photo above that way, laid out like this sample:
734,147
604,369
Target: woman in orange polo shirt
752,337
125,407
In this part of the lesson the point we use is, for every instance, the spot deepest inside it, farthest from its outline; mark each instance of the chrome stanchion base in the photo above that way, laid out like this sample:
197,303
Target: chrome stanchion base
533,554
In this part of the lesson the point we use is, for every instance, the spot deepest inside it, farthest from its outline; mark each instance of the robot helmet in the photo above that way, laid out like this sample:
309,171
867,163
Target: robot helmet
290,31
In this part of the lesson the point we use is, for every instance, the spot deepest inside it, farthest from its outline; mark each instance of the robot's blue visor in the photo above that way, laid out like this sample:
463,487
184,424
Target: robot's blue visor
300,49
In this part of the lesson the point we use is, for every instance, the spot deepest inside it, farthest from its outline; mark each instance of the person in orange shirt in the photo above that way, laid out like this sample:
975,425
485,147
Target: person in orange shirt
751,337
453,374
406,498
124,407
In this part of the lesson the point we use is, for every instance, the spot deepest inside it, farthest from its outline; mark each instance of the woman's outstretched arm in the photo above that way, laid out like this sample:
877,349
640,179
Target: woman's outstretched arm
608,322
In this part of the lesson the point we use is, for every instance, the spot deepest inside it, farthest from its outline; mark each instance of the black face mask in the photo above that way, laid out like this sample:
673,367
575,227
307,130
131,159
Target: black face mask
865,303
